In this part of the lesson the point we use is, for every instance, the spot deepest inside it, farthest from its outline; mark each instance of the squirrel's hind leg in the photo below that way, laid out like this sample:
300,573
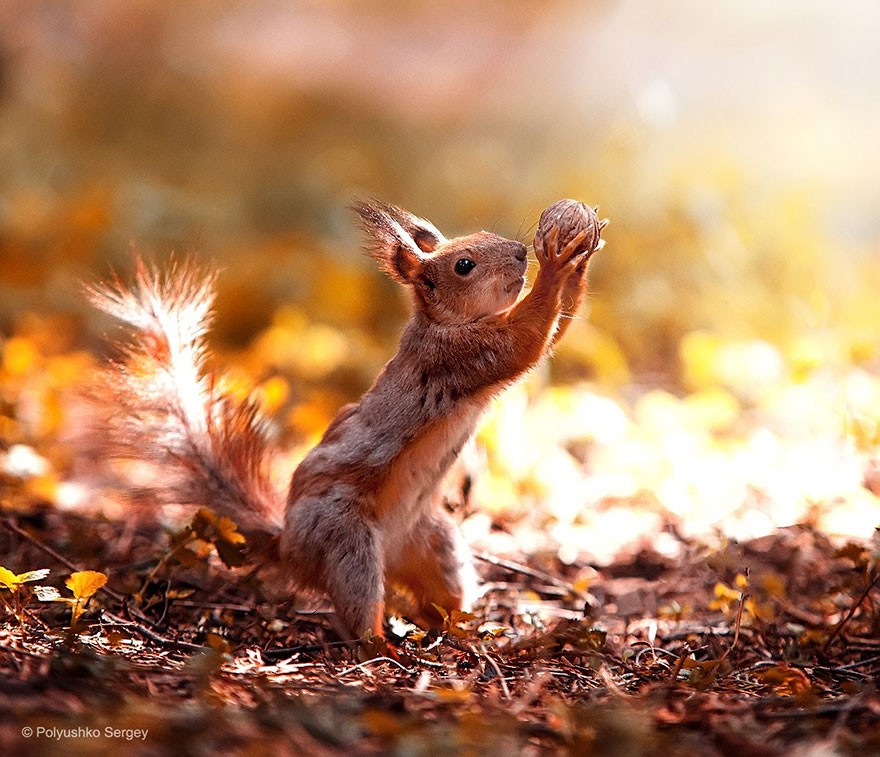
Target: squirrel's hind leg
355,581
334,548
435,564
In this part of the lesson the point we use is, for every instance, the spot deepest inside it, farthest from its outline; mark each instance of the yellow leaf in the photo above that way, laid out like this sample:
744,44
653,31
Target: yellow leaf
32,575
218,643
8,579
20,356
712,408
723,591
698,352
452,695
272,394
223,533
724,597
85,583
116,637
44,487
460,616
785,681
12,581
492,630
773,584
228,531
381,723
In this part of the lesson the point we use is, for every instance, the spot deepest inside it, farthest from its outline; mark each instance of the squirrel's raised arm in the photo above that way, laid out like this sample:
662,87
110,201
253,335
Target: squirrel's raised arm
507,341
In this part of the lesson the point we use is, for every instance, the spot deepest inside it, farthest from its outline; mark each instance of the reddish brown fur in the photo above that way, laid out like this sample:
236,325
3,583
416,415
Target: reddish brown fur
363,506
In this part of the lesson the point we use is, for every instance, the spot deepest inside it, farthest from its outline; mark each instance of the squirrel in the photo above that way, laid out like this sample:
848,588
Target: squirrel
363,509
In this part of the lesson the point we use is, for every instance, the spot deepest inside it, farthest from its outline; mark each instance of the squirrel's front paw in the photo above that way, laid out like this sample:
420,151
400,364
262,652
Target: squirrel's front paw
554,259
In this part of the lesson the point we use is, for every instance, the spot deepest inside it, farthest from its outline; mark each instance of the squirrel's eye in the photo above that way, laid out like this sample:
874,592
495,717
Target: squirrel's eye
464,266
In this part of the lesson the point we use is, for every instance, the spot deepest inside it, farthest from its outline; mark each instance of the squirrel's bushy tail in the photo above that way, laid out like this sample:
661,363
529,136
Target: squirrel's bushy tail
164,405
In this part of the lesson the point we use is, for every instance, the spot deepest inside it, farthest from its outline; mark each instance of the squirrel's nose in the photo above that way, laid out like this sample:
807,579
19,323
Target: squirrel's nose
520,251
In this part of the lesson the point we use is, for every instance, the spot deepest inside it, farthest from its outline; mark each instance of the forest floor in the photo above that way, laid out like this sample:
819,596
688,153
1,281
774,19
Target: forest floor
650,656
643,593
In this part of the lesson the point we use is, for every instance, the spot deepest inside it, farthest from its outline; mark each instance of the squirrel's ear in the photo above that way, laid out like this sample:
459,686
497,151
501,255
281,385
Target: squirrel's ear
396,239
423,232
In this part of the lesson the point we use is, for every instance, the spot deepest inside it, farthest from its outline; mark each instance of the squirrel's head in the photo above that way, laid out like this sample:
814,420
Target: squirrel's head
452,280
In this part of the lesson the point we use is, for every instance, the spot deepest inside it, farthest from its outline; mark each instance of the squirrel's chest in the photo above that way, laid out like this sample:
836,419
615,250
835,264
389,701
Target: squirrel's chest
414,475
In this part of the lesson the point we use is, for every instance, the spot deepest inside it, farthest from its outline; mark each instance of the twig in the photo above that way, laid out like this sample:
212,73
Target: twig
713,676
524,570
858,663
25,652
552,591
544,607
852,611
854,642
505,692
797,613
282,654
212,606
700,631
737,625
363,665
10,526
152,635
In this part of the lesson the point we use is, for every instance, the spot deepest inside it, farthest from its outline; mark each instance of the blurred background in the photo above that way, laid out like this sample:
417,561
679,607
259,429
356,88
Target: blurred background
725,372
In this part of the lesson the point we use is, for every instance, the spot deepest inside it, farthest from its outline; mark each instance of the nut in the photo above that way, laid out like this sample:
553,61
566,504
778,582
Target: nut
571,218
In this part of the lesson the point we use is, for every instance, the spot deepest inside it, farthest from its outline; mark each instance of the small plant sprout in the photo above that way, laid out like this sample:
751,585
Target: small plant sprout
83,585
15,584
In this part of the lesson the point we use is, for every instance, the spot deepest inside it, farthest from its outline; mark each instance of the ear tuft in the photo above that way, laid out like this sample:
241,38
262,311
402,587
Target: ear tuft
396,239
426,236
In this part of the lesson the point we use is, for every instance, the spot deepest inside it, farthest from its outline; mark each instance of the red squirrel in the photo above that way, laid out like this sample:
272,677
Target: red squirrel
363,510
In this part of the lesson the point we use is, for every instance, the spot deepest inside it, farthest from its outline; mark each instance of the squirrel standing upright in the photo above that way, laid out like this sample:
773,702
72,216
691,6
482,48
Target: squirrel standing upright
363,508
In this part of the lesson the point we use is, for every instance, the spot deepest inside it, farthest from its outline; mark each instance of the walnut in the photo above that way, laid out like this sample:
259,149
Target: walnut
571,217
